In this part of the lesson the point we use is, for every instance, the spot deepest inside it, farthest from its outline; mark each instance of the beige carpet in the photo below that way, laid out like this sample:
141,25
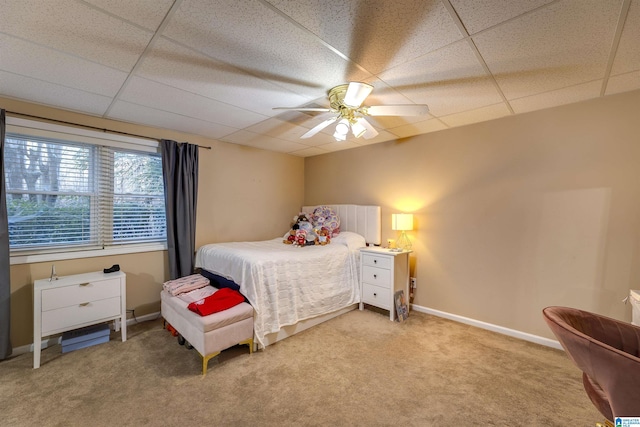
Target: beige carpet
357,370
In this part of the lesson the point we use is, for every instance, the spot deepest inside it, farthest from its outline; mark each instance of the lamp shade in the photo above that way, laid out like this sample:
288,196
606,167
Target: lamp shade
402,222
358,128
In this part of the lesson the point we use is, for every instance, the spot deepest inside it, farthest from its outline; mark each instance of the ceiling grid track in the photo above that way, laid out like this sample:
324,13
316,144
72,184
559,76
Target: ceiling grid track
465,33
624,11
311,33
152,42
222,69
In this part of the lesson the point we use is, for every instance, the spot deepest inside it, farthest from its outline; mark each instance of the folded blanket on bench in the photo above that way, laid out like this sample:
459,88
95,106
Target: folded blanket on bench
185,284
221,300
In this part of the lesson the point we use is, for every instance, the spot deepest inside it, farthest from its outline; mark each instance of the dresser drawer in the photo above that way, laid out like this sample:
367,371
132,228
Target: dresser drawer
73,295
377,261
376,276
66,317
376,295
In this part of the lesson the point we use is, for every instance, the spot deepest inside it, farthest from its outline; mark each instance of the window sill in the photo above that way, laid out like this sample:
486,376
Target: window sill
35,258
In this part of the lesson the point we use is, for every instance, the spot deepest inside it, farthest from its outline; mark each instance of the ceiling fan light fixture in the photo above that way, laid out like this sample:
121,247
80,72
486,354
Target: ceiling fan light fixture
357,128
342,127
339,136
346,100
356,94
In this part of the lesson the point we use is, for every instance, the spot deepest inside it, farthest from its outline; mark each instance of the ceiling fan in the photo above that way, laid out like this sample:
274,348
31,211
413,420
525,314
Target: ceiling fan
346,101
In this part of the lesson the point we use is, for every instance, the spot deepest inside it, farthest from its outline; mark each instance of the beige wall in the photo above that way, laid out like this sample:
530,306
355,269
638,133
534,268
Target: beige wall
511,215
244,194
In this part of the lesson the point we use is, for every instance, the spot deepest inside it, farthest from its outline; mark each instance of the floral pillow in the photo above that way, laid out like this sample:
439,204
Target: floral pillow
324,216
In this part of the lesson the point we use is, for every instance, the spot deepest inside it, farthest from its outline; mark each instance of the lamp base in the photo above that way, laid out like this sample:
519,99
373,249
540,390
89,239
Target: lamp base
403,242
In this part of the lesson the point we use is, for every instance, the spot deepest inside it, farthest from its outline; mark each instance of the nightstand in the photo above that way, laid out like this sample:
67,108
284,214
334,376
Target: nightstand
73,302
382,273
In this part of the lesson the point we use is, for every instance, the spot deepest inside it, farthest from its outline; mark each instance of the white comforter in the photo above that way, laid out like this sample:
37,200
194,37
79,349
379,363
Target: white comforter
284,283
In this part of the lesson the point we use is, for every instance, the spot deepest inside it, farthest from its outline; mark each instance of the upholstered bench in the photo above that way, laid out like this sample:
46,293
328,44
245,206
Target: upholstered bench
211,334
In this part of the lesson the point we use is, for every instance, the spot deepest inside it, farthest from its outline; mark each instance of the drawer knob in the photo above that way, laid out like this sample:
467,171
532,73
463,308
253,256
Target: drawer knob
375,276
84,284
84,304
375,295
375,261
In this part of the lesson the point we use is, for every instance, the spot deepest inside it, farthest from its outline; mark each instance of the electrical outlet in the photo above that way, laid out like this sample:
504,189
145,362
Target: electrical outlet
413,283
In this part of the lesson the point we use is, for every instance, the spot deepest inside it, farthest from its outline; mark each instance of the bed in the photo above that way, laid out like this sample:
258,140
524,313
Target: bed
293,288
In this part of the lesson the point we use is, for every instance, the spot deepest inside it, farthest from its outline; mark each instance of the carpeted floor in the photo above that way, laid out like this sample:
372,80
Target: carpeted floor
356,370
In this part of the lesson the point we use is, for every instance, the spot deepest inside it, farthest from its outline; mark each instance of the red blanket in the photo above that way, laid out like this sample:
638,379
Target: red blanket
223,299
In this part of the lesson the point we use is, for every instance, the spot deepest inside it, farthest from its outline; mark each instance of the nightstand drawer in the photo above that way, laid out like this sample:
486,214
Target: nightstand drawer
66,317
376,295
377,261
376,276
72,295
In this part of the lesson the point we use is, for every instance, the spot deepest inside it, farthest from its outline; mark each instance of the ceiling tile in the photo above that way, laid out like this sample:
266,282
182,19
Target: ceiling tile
220,67
376,34
77,29
550,49
262,42
479,15
389,122
261,141
448,80
384,94
413,129
628,54
382,136
185,69
308,152
40,92
623,83
478,115
170,99
557,97
146,13
132,113
338,146
279,129
26,58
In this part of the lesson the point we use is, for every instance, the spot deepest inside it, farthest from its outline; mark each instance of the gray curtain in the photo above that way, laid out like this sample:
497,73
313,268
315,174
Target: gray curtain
180,173
5,283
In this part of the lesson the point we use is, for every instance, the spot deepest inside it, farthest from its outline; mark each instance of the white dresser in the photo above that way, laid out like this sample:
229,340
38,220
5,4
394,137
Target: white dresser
72,302
382,273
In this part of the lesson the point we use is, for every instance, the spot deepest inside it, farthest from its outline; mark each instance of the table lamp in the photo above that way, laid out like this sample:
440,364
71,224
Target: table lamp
402,222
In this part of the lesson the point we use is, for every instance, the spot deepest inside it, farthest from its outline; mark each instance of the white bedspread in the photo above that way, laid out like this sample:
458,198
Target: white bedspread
284,283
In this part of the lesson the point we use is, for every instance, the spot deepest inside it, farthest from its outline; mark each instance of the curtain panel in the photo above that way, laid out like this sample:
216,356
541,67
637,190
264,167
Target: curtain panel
180,174
5,282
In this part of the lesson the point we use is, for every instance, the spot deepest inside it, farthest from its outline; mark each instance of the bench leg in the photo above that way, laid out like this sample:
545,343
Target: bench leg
248,342
205,359
205,362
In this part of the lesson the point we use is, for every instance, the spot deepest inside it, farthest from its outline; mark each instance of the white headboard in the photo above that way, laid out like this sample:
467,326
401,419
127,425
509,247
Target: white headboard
364,220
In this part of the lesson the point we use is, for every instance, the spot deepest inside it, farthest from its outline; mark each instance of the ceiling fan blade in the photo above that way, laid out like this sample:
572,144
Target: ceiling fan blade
371,131
397,110
323,110
356,94
318,128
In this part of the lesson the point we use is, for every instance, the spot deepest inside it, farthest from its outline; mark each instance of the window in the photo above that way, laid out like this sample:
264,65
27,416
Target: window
69,193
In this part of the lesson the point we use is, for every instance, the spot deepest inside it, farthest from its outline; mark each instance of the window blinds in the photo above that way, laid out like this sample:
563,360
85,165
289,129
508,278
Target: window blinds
64,195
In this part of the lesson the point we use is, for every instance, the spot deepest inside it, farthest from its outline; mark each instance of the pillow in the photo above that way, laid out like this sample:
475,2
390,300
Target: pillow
350,239
325,216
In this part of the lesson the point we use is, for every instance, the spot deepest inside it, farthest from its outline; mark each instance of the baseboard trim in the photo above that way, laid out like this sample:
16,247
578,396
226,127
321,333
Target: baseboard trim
456,318
489,326
143,318
17,351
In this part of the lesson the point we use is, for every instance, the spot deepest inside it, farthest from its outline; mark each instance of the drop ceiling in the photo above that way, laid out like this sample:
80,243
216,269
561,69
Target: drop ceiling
217,68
